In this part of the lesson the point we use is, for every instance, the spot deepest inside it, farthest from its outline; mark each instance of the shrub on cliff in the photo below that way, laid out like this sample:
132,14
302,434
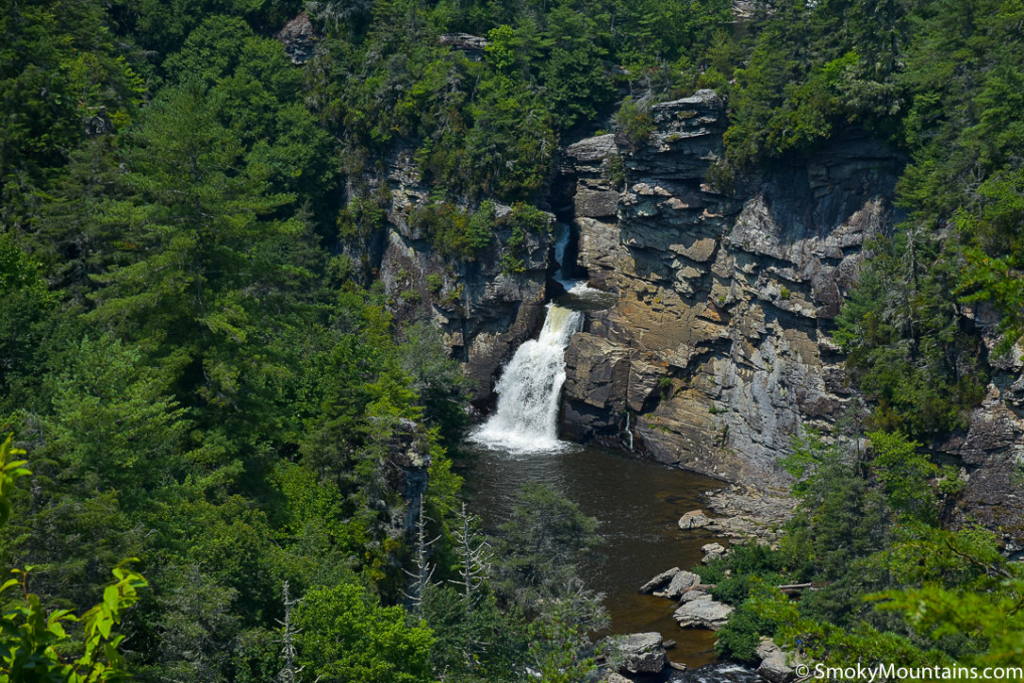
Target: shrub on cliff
634,121
454,232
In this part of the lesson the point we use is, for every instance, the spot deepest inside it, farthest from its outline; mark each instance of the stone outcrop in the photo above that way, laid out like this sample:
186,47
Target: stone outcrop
637,653
680,584
671,584
991,451
659,580
409,459
718,347
774,665
98,123
483,311
299,38
712,552
746,513
472,46
614,677
699,610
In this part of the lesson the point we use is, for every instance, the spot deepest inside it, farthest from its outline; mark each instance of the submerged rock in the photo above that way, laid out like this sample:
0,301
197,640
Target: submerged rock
637,653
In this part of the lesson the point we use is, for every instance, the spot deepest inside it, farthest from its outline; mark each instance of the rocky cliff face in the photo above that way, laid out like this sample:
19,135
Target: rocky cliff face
718,347
485,313
991,451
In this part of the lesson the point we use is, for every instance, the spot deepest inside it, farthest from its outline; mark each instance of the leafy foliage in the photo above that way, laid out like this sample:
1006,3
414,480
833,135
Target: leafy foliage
881,569
346,636
34,636
202,383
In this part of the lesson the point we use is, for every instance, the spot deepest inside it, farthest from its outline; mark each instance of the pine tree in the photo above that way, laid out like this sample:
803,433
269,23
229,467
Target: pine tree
209,261
474,556
423,572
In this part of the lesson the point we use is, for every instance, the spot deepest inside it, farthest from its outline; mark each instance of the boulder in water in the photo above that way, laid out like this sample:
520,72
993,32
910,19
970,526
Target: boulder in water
693,519
637,653
659,580
699,610
681,583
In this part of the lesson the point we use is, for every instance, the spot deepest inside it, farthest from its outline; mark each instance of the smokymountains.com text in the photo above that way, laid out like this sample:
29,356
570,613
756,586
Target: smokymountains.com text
892,672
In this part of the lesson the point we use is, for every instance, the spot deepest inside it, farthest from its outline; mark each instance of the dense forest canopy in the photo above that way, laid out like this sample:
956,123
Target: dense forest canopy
214,401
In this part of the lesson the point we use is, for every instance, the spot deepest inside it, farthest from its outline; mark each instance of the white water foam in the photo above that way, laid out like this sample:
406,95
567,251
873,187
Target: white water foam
526,419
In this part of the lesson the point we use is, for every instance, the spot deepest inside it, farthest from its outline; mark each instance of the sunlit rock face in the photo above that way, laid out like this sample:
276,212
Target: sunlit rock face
719,345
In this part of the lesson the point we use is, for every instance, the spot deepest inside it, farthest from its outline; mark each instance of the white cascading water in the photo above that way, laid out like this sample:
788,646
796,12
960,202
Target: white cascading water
578,288
526,419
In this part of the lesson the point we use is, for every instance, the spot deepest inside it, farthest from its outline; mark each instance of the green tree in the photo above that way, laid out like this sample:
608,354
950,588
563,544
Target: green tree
204,258
438,379
904,473
35,644
560,647
58,67
114,426
537,564
906,347
475,640
347,636
573,72
259,94
539,550
23,298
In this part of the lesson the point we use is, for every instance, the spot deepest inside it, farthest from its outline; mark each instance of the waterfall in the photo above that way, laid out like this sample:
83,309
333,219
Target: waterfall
526,419
578,288
629,433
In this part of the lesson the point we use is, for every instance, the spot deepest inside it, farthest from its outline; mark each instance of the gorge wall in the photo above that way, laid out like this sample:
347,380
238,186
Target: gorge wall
483,311
718,347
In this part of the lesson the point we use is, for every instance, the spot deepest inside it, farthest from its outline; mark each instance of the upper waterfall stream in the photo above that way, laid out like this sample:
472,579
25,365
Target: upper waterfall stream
526,418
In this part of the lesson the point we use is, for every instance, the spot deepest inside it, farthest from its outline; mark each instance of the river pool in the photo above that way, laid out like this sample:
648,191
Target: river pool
638,504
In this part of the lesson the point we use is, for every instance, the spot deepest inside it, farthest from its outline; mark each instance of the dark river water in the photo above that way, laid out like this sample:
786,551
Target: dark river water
638,504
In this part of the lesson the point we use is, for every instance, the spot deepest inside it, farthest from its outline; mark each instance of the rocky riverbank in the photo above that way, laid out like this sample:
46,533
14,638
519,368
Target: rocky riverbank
747,513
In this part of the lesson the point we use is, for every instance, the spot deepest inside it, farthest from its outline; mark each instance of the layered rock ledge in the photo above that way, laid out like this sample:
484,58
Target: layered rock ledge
719,346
